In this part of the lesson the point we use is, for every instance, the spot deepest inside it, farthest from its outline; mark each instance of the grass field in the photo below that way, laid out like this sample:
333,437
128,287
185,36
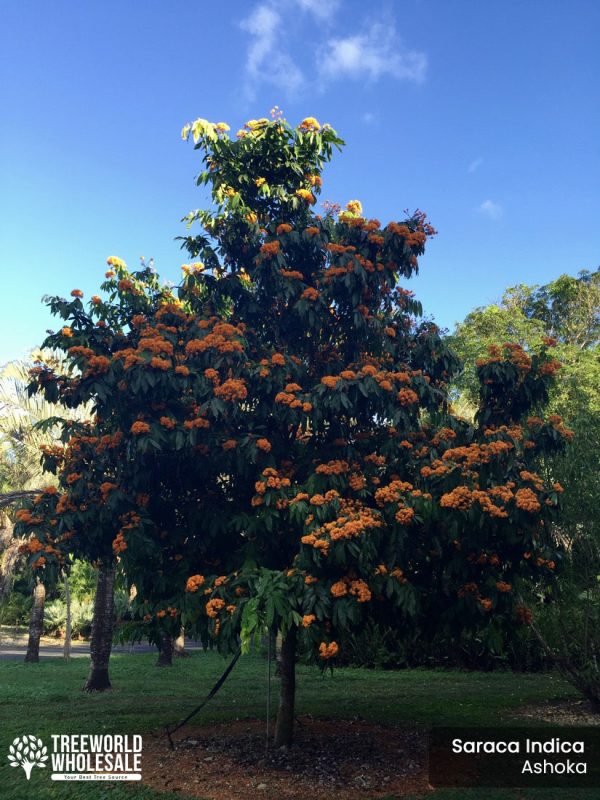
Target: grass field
46,699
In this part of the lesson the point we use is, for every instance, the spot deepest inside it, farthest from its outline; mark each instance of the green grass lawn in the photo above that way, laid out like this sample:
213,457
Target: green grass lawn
46,699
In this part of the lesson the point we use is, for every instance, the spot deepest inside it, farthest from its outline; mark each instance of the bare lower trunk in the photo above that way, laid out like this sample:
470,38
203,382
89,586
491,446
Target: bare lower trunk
36,623
284,728
67,645
179,645
165,654
102,629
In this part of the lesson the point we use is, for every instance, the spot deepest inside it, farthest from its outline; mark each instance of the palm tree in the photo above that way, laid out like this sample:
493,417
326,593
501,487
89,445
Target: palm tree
20,466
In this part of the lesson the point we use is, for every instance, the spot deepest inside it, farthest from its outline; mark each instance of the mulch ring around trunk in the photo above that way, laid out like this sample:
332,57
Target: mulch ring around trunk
348,759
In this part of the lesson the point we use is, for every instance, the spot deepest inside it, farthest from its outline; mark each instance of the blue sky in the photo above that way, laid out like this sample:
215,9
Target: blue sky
484,114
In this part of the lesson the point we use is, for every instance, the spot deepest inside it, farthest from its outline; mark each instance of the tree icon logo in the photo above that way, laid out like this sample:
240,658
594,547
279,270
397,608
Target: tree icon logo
28,752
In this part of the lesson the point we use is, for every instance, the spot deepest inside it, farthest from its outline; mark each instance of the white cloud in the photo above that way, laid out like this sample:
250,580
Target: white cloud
265,60
491,209
373,54
369,118
322,9
273,24
475,164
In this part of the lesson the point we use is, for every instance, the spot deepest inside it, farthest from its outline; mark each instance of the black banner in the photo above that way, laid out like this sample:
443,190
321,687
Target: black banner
515,757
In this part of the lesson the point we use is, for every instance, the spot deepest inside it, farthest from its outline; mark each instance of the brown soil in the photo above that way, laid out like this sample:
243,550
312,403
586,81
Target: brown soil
346,759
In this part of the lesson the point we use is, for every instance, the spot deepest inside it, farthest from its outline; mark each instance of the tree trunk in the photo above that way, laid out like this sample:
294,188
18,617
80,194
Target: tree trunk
102,629
165,652
284,728
36,623
179,645
67,645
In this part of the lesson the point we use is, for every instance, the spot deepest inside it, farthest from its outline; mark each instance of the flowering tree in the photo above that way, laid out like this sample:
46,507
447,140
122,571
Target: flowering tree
273,445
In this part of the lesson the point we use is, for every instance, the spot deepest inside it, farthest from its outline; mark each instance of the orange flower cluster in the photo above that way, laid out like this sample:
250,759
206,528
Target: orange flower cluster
198,422
215,341
25,516
534,422
264,445
310,293
154,343
330,381
437,468
168,422
460,498
399,575
405,515
474,454
292,274
307,620
560,427
360,590
271,480
407,397
550,367
33,545
354,520
232,389
119,544
194,582
340,588
160,363
526,499
511,352
333,468
503,587
140,427
321,499
327,651
306,195
357,482
270,249
318,544
392,493
283,228
532,477
412,238
214,606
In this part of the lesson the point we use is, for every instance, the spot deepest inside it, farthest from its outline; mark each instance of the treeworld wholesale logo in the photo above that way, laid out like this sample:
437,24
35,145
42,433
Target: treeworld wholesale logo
28,752
81,757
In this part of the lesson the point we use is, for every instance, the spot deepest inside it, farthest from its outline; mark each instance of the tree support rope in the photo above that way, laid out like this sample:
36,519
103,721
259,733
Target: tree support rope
170,730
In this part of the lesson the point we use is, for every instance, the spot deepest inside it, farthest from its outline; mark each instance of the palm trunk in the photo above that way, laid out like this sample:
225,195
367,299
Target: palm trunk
67,645
36,623
102,629
165,654
284,728
9,553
